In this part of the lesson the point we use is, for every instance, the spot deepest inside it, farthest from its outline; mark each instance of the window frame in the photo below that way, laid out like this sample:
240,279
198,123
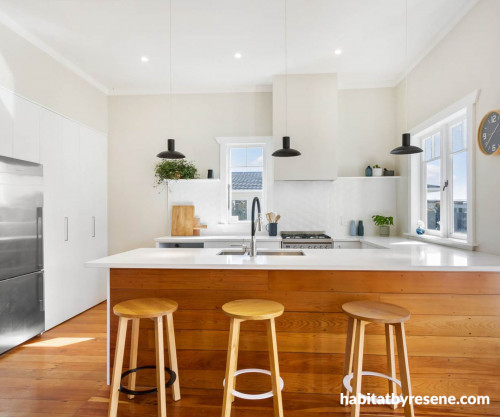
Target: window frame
463,111
226,144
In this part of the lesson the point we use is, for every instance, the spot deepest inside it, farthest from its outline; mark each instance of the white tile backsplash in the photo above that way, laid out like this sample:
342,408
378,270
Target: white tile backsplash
303,205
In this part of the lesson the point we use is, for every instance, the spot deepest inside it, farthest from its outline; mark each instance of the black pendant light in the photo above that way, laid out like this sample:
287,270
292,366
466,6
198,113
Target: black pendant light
286,151
406,148
171,153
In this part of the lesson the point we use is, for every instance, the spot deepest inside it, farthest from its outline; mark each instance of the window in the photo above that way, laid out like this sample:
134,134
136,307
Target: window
442,176
245,173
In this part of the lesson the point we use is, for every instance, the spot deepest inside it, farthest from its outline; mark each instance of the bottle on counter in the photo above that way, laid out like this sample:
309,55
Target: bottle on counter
361,228
368,171
352,228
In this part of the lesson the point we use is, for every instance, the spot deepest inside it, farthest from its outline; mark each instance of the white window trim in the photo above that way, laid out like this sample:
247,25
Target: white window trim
267,142
468,104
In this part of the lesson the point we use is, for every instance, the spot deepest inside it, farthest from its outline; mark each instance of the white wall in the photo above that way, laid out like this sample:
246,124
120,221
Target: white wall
138,129
367,128
303,205
311,124
463,61
31,73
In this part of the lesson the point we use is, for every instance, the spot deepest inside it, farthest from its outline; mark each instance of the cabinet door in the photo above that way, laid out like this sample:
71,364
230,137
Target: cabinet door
71,244
6,123
26,130
55,278
93,214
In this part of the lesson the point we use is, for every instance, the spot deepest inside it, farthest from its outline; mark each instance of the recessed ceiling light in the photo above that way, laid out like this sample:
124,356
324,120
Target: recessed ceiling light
338,52
238,55
144,59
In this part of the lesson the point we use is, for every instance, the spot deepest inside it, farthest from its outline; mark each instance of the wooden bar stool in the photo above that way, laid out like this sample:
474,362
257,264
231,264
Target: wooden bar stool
145,308
392,316
239,311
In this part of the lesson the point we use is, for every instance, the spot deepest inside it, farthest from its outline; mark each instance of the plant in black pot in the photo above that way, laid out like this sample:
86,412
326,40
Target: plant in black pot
384,224
174,169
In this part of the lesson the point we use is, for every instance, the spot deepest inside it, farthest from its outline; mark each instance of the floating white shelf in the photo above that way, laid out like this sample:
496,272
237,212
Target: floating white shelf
195,179
388,177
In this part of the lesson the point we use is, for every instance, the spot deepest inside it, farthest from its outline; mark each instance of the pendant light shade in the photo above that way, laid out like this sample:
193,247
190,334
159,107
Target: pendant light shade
171,153
406,148
286,151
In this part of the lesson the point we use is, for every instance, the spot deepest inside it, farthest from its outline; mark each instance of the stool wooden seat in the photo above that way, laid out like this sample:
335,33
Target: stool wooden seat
253,309
376,312
239,311
145,308
135,310
393,317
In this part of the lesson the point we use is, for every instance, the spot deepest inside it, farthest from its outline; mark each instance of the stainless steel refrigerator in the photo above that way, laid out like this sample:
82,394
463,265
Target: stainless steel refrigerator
22,313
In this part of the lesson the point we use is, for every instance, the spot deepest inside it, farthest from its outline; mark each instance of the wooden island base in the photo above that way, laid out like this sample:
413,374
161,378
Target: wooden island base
453,335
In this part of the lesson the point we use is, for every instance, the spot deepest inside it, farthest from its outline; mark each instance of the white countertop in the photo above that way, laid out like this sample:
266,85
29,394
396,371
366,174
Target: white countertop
398,254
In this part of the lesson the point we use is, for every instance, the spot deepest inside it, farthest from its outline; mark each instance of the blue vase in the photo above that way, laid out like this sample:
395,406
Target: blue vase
368,171
420,231
352,228
361,228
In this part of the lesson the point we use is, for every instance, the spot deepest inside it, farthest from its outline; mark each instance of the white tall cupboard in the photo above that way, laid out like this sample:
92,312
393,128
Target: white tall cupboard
74,160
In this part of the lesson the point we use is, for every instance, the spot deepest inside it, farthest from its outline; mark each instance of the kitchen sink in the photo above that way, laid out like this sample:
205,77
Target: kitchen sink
262,252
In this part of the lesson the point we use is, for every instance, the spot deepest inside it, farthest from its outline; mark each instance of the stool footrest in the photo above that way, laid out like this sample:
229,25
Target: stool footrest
127,391
253,396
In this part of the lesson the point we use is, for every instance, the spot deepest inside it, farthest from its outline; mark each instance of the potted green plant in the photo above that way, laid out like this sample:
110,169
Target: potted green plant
377,171
383,223
175,169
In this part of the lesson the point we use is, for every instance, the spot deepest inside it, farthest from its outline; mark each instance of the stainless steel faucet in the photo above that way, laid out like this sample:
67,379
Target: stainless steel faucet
256,224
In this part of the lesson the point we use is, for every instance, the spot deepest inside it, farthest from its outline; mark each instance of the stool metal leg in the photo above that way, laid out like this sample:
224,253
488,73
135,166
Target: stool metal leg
117,367
234,334
391,361
404,369
349,352
134,346
275,371
172,357
160,367
358,365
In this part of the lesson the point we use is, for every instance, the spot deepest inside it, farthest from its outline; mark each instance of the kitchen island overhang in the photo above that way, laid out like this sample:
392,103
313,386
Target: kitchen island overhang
453,334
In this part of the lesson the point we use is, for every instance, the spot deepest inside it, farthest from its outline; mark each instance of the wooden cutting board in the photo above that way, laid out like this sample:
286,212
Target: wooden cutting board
182,220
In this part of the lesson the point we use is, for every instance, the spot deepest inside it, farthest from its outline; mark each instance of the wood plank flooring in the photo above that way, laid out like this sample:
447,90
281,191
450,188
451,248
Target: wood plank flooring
63,373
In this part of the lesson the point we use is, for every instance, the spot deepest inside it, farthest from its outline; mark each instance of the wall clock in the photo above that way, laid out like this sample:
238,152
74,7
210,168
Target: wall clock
489,133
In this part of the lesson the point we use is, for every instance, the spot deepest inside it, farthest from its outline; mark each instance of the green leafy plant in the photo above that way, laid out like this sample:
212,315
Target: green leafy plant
174,169
383,221
376,166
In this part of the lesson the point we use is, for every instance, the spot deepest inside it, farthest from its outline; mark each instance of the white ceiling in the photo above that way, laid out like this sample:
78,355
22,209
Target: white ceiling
105,39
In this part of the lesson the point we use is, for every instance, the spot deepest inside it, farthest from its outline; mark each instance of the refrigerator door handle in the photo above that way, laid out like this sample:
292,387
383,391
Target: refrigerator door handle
93,226
66,229
41,298
39,236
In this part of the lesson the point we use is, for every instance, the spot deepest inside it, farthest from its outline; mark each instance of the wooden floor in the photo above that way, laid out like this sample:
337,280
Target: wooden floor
62,373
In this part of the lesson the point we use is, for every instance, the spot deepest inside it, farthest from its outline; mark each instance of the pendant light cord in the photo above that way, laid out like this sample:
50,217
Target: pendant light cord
405,65
286,69
170,70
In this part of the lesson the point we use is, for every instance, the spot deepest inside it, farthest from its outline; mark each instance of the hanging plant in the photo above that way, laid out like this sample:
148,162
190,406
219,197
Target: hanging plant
175,169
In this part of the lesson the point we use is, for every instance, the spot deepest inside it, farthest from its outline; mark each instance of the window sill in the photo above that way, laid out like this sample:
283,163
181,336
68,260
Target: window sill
455,243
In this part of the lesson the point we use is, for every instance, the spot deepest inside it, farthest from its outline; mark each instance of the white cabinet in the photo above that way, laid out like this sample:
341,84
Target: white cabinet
6,123
225,243
26,130
239,243
346,244
265,244
75,187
